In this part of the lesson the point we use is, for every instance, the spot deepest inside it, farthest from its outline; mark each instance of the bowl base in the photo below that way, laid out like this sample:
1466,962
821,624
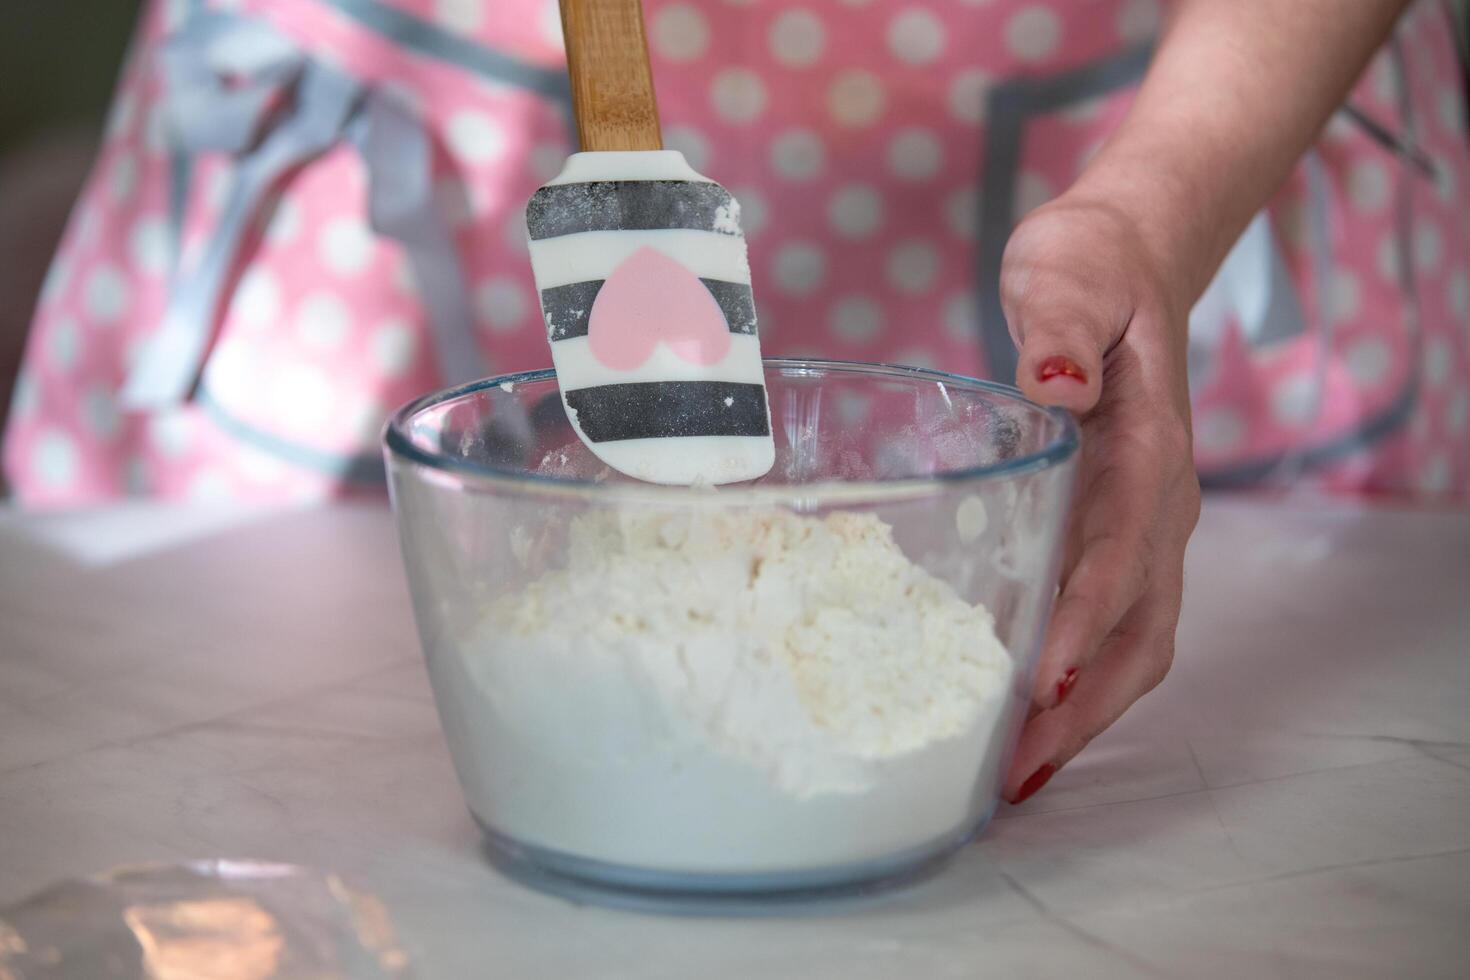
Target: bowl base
584,881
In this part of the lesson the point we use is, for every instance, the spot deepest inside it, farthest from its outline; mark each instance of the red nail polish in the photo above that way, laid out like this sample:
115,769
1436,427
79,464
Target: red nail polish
1064,686
1059,366
1034,782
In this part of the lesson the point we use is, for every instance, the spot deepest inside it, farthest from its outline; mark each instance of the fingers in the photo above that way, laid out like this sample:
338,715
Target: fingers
1106,578
1131,666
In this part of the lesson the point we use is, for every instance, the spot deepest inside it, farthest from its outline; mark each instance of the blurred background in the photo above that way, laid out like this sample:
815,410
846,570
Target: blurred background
58,62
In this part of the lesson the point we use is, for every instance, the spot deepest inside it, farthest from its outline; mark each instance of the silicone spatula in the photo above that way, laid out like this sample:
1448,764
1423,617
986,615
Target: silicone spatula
644,282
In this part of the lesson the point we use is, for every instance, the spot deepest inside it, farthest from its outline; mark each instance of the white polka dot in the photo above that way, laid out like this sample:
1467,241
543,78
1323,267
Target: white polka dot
66,344
1032,191
149,245
1436,476
1388,257
123,180
679,33
856,98
345,246
89,226
464,16
916,357
915,154
257,301
58,277
1451,110
284,222
547,160
1367,361
323,321
475,137
107,294
1033,33
1385,83
55,460
1437,358
99,412
1428,246
855,211
231,372
25,396
916,36
853,408
1368,186
1294,400
968,92
367,420
797,38
689,142
502,303
961,318
1457,293
394,348
799,268
962,210
798,154
171,433
856,319
753,210
913,266
1219,431
1344,296
738,95
1138,20
1457,413
301,397
1340,129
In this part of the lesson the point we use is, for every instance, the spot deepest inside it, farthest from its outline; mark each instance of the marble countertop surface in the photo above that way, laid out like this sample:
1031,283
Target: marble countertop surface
1294,801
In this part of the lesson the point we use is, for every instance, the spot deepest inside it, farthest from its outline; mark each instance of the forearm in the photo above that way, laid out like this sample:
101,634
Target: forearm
1237,92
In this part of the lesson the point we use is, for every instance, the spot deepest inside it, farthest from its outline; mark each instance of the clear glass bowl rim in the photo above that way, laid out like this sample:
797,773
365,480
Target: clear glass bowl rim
398,442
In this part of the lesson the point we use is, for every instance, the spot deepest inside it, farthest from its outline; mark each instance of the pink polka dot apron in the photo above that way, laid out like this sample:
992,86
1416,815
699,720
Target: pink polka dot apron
306,212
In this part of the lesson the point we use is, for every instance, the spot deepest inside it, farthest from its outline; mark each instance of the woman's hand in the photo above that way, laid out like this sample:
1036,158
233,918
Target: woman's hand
1101,335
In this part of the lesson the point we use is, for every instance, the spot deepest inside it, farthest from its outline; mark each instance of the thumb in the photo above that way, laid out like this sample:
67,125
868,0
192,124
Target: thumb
1060,360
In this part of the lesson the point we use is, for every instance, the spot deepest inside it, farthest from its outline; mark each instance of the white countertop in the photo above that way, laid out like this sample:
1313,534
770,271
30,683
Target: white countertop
1294,801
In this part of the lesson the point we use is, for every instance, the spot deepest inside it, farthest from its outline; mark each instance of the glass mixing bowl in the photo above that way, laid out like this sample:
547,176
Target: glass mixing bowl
805,684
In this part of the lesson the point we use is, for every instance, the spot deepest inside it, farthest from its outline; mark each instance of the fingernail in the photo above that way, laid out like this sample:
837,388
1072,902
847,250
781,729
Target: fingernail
1059,366
1064,686
1034,782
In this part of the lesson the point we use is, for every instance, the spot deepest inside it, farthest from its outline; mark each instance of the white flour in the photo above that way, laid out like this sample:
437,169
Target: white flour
730,692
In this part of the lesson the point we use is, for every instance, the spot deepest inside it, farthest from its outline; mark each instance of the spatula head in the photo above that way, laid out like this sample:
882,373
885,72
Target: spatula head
645,288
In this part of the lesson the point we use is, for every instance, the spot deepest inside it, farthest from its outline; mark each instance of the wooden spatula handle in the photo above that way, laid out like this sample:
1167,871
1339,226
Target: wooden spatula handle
612,85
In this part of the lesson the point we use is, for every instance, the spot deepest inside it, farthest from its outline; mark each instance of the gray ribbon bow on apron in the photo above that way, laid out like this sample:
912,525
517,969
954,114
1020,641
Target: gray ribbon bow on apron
234,85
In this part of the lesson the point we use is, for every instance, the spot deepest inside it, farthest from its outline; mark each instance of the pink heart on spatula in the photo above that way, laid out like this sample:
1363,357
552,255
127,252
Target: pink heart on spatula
651,299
